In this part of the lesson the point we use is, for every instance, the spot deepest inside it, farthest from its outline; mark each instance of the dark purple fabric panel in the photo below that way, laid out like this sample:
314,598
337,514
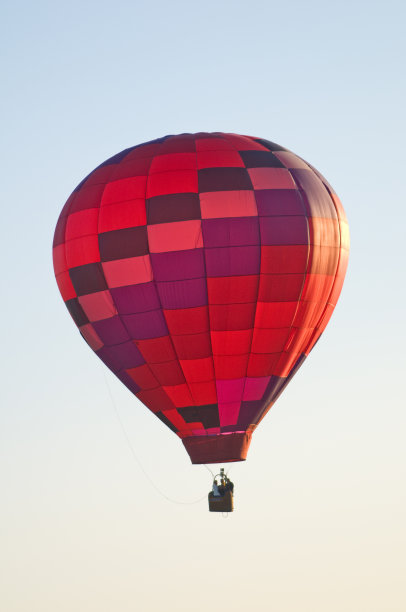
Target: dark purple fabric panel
178,265
250,413
123,243
315,193
234,261
76,311
59,236
128,381
224,179
274,389
173,207
166,421
146,325
135,298
111,331
117,158
260,159
230,231
276,202
183,294
121,356
272,146
88,279
207,415
284,230
179,143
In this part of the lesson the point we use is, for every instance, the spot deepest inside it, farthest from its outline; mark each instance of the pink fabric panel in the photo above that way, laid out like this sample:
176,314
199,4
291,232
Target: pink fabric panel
131,271
220,204
183,235
229,413
271,178
229,391
98,306
91,337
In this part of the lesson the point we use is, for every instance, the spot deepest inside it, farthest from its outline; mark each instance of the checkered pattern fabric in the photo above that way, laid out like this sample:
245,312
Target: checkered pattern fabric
202,269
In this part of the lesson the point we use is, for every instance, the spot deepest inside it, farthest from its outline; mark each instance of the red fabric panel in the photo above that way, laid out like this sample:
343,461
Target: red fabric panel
244,143
230,366
213,144
285,364
317,287
232,316
308,314
132,167
144,377
231,342
87,197
261,364
187,320
270,340
284,259
176,181
275,314
217,159
155,399
194,346
180,395
197,370
122,214
173,161
59,259
280,287
65,286
81,251
132,188
168,373
204,393
82,223
156,350
232,290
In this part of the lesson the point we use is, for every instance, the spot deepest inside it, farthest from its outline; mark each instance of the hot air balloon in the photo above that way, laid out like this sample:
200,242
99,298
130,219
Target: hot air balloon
202,269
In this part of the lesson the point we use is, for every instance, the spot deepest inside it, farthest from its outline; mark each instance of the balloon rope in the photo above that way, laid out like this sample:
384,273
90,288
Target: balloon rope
135,457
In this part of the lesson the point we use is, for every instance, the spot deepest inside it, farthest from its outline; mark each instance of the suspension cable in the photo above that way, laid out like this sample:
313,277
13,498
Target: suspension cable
136,458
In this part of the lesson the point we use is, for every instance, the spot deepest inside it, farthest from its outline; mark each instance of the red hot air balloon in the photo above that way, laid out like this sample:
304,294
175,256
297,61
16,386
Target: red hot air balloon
202,269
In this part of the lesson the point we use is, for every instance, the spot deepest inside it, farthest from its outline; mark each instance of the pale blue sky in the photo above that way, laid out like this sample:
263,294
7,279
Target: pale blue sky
320,502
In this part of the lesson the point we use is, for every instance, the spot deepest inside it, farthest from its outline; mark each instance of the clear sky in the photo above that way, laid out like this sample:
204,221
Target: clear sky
320,504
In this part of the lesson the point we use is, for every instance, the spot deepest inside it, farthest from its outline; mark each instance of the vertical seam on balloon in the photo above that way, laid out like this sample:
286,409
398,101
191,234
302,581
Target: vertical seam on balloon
303,282
207,291
64,246
160,303
82,184
259,274
316,327
114,170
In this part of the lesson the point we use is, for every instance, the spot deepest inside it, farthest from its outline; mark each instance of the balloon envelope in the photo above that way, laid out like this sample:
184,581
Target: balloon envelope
202,269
